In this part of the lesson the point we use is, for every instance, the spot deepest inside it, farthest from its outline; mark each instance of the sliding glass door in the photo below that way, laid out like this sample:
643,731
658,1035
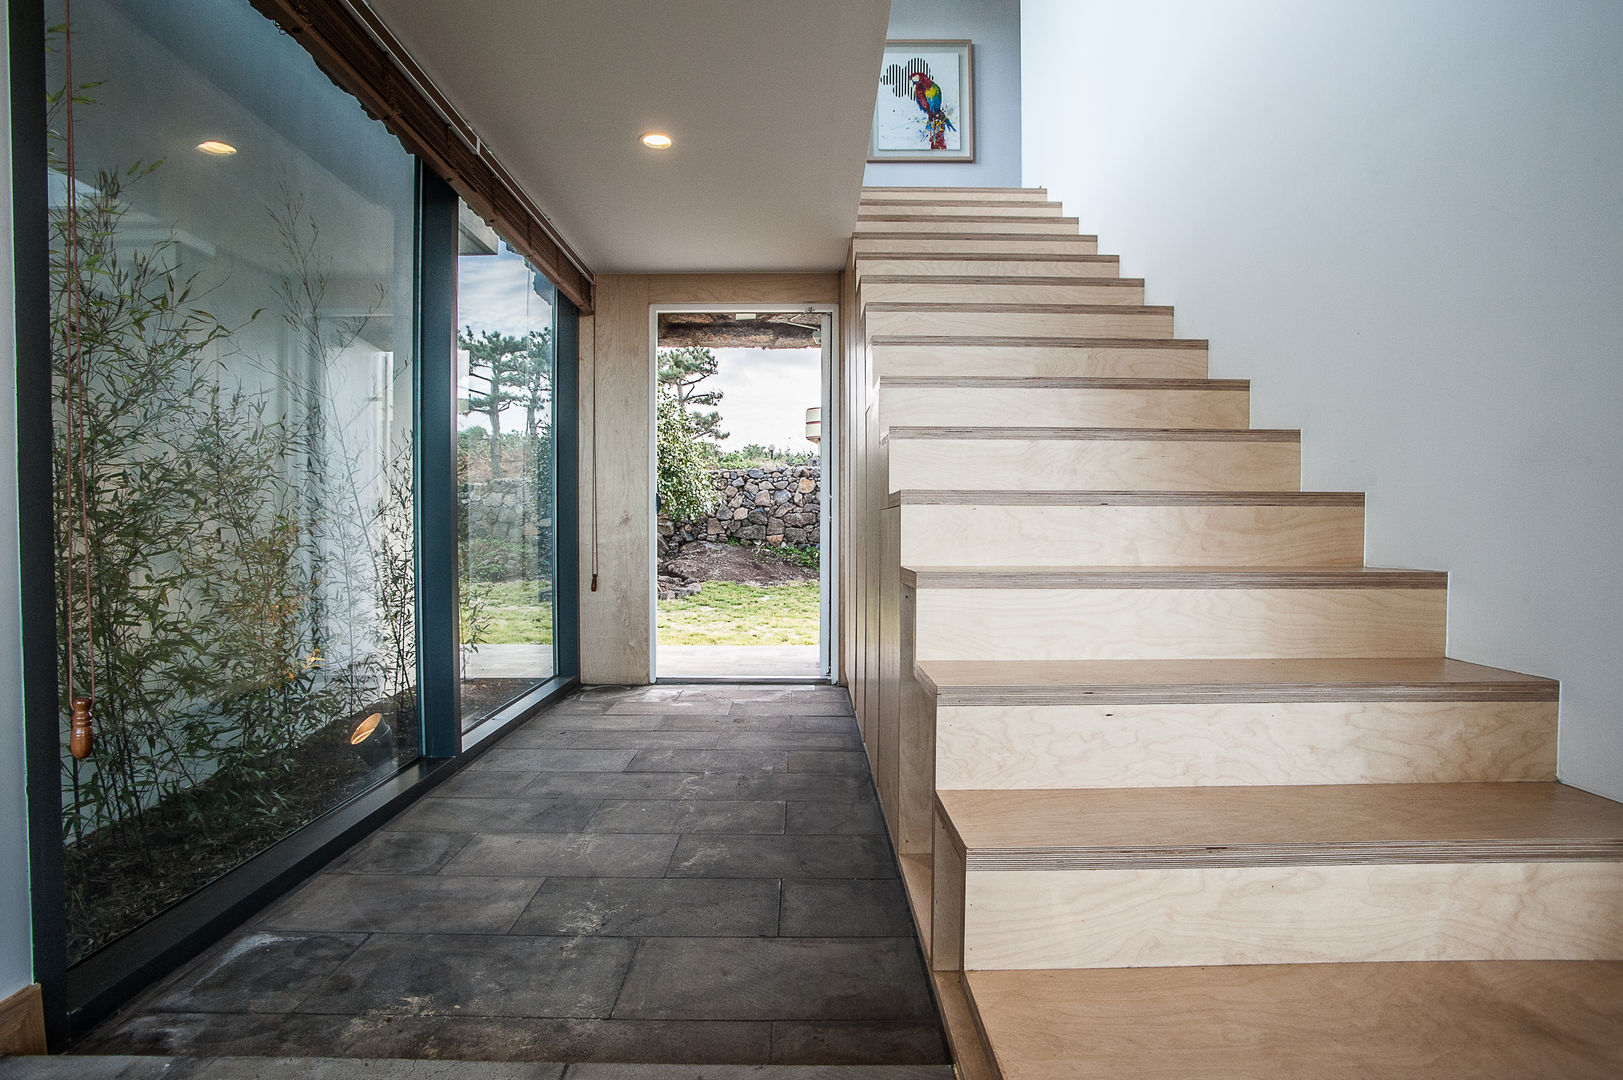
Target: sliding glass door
507,551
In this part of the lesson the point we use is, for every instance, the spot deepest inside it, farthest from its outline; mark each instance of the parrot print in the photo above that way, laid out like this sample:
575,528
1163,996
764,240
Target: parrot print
928,96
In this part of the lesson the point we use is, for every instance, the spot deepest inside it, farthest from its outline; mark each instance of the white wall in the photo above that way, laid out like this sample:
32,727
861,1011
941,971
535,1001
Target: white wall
1404,222
994,28
16,947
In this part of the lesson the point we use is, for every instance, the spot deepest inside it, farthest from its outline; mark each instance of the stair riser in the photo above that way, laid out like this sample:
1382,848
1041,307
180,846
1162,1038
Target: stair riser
878,265
961,208
1243,743
1237,536
1566,910
953,194
1040,406
1172,624
971,245
1087,465
1147,361
1059,226
950,322
936,292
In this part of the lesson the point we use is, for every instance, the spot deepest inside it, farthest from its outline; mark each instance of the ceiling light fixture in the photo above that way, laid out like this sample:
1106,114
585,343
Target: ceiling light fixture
657,140
216,147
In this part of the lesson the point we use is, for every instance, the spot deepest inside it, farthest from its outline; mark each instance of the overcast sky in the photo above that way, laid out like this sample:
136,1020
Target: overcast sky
765,395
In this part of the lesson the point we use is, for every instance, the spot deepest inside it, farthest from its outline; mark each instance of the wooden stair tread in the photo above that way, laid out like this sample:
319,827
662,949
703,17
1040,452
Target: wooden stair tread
1096,434
1253,826
1022,309
959,682
1468,1020
887,214
1058,382
990,256
1004,497
976,279
1170,577
988,234
966,341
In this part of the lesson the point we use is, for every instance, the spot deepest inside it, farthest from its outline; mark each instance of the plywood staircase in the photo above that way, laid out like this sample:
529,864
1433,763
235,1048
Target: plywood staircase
1179,786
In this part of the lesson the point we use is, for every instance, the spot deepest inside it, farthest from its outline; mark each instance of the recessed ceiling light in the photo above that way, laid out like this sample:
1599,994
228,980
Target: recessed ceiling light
216,147
657,140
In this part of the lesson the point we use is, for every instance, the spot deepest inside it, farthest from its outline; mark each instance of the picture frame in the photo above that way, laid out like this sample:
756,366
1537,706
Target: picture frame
931,119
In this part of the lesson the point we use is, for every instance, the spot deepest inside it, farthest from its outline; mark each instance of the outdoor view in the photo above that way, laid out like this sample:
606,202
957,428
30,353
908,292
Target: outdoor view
231,298
739,487
505,469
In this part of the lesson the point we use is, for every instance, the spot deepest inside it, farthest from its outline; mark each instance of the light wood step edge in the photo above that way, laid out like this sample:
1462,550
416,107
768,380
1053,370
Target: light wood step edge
1003,497
965,1038
955,237
1021,309
907,188
965,341
1085,434
1057,382
1197,682
1182,577
990,256
1465,1020
1328,824
981,279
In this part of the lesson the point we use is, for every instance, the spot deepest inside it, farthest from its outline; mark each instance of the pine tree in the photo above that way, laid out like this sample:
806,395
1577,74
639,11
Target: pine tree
682,370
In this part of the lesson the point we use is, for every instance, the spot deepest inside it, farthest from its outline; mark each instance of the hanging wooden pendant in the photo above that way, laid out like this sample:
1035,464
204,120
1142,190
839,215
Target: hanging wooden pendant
81,737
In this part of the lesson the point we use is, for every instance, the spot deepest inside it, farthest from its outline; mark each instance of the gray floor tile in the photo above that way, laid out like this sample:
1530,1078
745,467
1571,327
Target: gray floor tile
786,856
858,1043
472,815
476,783
826,816
383,903
688,816
545,733
838,762
205,1033
740,762
649,785
564,854
642,740
775,979
789,740
823,723
586,1040
558,760
594,1071
477,975
653,907
87,1067
860,908
257,972
401,853
353,1068
815,787
807,707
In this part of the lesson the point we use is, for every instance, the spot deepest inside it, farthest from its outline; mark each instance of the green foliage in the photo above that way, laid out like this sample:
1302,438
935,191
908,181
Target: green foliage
682,370
244,574
515,369
686,489
756,456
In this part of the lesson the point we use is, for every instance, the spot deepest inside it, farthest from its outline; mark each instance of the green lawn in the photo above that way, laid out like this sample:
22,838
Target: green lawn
727,613
513,614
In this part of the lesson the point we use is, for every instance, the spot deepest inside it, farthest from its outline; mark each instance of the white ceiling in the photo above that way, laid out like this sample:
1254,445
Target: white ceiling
769,103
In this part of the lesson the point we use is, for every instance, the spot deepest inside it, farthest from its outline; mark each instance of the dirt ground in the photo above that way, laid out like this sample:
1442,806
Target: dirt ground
705,561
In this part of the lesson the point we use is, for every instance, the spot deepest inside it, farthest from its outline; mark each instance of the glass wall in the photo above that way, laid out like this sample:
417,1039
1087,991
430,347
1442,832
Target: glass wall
232,313
506,471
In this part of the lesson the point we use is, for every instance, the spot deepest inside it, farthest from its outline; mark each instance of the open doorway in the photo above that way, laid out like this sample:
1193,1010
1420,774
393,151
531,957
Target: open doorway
742,471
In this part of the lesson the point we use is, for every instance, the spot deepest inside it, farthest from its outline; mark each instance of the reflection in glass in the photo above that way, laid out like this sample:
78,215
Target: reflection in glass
505,470
233,418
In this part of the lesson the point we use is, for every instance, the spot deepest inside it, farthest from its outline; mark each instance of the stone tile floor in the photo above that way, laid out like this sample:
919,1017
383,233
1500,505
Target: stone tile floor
693,874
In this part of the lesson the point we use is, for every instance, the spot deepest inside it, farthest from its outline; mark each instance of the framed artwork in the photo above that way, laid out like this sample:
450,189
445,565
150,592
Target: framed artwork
925,108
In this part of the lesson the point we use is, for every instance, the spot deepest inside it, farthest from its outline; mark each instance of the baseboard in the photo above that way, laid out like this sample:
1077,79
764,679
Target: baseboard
22,1023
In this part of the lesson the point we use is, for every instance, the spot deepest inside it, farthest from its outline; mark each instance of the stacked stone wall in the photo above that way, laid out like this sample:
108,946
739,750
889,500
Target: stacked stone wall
768,506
